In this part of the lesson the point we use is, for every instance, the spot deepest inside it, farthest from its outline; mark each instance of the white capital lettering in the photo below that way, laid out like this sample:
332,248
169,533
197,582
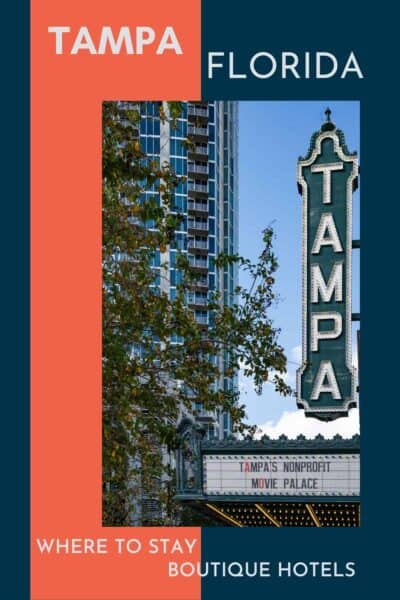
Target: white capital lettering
107,38
332,334
59,36
326,290
325,381
326,226
318,71
290,66
212,65
268,73
352,66
169,41
232,74
83,41
326,170
144,37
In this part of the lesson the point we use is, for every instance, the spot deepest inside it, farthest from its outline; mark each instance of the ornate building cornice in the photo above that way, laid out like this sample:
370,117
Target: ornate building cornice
283,444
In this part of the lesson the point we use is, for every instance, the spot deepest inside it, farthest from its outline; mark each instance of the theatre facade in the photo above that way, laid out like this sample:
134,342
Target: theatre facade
298,482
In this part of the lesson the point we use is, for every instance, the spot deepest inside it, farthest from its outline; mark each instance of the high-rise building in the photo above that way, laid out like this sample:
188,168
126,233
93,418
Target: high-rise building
208,199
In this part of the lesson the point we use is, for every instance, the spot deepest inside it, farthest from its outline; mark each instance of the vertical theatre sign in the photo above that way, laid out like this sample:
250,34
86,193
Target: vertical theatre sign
326,178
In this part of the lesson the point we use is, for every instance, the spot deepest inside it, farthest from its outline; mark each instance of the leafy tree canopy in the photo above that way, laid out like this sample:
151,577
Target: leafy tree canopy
149,379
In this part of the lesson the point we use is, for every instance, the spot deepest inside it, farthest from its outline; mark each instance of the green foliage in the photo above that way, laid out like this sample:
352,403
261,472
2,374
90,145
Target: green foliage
147,379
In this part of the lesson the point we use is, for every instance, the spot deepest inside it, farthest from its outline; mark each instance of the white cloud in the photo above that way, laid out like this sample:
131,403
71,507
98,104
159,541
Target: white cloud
293,423
296,354
245,385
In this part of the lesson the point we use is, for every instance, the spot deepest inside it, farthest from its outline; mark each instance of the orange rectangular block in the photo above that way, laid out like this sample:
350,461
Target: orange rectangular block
74,69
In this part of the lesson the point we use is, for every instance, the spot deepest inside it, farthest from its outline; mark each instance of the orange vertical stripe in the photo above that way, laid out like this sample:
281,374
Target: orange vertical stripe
67,92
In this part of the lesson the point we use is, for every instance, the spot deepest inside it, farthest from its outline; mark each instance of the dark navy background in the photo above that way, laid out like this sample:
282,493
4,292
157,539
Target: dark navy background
247,28
14,298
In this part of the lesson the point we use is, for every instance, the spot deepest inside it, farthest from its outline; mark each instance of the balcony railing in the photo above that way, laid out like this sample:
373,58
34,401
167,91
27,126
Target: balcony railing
193,130
197,262
197,225
197,187
202,319
192,168
201,282
206,415
200,206
198,111
199,150
199,300
199,244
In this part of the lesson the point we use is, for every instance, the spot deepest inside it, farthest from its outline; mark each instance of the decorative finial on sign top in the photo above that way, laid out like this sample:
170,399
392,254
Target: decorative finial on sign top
328,113
328,125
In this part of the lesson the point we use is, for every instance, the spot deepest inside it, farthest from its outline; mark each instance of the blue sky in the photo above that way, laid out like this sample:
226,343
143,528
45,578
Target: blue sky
272,135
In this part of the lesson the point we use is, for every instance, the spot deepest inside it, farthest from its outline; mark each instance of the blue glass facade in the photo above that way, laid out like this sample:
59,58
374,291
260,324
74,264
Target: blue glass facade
208,200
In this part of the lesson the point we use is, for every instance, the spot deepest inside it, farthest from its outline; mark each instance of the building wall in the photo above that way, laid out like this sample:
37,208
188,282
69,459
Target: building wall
209,201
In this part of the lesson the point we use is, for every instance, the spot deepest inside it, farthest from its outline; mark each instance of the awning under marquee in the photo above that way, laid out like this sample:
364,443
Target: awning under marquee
282,514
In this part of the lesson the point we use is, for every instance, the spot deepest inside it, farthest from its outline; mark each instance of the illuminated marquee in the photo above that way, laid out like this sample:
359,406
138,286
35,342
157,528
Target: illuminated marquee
269,482
327,177
282,475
